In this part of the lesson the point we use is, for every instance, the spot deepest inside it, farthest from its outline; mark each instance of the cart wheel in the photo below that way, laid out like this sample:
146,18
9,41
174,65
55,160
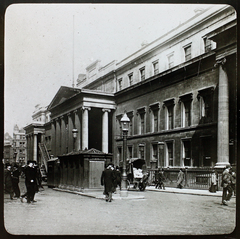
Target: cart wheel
141,187
128,184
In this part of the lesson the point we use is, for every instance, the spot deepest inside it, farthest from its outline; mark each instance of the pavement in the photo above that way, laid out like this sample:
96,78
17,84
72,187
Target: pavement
136,194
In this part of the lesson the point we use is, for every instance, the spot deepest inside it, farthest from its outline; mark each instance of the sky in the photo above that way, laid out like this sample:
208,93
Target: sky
48,45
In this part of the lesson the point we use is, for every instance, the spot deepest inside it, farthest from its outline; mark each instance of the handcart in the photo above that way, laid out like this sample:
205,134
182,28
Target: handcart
136,178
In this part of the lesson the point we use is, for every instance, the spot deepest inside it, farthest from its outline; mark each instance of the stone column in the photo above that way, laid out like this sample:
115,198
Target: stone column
63,135
35,147
58,137
85,127
223,117
70,136
78,127
30,156
105,130
53,138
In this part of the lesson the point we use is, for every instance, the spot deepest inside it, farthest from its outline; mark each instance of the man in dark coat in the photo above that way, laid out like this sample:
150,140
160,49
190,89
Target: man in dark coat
30,181
15,180
118,178
107,179
8,180
226,184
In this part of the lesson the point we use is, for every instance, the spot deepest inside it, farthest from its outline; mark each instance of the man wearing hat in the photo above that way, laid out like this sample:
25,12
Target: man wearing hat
107,179
31,181
226,184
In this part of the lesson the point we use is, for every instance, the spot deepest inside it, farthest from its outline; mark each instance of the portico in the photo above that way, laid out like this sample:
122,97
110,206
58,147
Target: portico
87,111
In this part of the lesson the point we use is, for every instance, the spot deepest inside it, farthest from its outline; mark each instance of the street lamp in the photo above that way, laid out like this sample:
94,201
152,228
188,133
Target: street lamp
125,121
74,132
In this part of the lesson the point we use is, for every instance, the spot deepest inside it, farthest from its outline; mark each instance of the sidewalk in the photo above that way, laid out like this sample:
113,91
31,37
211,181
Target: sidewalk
134,194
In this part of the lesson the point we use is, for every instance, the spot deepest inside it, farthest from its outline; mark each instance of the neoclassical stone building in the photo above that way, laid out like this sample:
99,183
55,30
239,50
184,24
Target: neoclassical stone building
178,91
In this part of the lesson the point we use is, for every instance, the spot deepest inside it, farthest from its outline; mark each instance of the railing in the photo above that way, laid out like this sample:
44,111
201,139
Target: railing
195,178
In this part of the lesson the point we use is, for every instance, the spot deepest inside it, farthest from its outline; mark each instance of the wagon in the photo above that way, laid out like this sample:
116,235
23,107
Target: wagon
136,178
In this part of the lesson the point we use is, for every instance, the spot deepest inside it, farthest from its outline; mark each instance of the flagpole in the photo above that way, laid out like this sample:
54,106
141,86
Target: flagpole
73,57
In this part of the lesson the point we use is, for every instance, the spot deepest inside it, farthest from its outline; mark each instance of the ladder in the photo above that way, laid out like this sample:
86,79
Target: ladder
44,153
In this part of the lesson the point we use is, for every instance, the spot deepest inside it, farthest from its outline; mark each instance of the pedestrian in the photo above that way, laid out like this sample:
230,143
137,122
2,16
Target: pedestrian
233,184
226,184
39,178
30,181
214,180
180,179
8,187
15,180
118,178
107,180
160,180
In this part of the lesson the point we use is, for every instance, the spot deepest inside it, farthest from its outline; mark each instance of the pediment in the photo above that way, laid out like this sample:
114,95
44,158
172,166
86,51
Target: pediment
63,94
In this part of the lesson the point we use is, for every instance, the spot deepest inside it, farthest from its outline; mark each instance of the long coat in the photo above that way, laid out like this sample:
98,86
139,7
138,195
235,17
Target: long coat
180,177
107,179
8,181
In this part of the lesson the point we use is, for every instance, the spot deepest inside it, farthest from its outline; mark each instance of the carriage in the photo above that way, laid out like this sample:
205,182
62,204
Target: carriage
136,177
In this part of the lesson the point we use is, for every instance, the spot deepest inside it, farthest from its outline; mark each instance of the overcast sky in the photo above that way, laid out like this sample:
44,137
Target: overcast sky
48,45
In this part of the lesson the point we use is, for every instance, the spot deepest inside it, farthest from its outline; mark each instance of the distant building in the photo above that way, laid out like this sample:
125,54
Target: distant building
8,155
19,145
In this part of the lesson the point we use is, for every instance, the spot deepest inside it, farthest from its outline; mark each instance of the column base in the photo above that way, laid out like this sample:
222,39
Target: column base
123,193
221,165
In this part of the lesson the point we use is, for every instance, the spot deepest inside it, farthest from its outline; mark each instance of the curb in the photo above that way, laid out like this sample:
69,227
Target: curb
98,197
187,191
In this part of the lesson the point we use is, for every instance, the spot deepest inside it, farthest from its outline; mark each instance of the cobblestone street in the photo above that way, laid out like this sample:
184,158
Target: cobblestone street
159,213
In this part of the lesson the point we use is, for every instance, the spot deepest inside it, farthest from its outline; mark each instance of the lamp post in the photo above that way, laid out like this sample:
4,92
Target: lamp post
74,132
125,127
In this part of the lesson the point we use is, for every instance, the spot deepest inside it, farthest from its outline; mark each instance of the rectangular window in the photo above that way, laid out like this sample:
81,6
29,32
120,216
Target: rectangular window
141,120
155,120
142,123
188,53
155,67
187,152
170,116
120,84
205,98
207,45
129,152
130,79
170,61
141,151
170,153
154,151
186,102
142,74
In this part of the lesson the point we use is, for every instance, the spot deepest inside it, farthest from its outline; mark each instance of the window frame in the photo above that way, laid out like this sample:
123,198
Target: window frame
130,79
142,72
188,52
120,84
155,70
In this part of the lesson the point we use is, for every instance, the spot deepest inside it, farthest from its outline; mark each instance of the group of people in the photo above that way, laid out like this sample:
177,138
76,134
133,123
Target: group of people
32,181
111,178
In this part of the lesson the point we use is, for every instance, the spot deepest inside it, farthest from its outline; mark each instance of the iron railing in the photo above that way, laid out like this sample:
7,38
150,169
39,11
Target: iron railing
195,178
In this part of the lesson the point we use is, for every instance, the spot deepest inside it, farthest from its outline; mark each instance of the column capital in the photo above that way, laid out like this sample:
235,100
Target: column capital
106,110
86,108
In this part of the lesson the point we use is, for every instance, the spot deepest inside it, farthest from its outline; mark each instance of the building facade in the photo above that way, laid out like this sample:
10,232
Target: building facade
179,93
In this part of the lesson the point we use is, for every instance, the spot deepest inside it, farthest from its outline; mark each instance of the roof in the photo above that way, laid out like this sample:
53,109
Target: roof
86,151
